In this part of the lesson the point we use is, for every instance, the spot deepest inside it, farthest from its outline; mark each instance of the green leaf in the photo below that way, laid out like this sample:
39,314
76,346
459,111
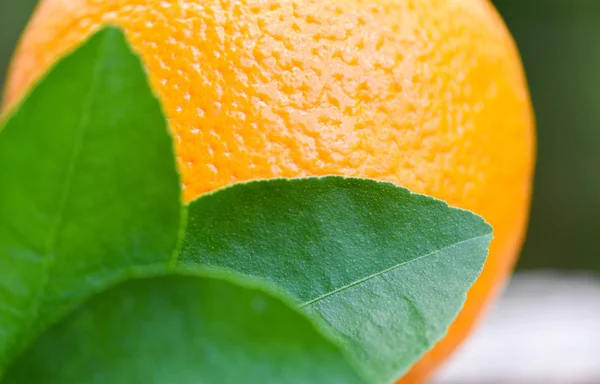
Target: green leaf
388,270
183,329
89,187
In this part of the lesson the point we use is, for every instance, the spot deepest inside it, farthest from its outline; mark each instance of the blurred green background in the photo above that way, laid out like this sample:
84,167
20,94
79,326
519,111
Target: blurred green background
559,41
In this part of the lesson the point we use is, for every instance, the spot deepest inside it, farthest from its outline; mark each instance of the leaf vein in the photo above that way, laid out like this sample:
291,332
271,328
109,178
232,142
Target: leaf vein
50,253
387,270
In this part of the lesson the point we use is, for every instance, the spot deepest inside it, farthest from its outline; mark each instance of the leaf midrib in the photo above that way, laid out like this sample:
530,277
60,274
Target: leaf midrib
383,272
50,254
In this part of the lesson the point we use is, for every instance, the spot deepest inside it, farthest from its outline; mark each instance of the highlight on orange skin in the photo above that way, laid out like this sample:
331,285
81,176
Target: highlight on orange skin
428,94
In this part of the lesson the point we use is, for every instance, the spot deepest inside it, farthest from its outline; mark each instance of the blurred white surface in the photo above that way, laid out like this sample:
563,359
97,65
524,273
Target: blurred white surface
545,329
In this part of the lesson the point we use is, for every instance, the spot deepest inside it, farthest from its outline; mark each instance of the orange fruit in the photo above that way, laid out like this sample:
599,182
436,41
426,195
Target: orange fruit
429,94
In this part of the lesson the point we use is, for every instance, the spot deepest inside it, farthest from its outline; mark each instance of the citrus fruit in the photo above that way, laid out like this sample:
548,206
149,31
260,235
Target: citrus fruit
428,94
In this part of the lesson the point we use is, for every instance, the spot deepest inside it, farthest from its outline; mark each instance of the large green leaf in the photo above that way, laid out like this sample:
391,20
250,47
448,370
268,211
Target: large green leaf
88,187
183,329
387,269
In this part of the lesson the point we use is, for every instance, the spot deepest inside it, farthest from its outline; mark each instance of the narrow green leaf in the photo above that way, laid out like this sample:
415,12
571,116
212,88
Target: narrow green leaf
89,187
183,329
388,270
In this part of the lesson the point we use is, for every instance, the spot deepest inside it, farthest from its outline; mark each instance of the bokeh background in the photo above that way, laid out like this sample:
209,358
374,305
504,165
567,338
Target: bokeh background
559,41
